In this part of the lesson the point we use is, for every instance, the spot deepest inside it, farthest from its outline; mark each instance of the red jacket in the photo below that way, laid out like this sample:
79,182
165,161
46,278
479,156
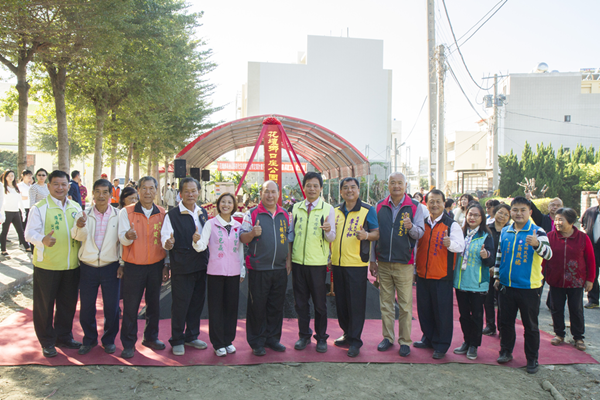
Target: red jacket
572,262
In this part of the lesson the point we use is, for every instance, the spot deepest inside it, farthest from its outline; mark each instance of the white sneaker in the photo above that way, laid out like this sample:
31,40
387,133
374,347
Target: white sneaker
221,352
178,350
198,344
230,349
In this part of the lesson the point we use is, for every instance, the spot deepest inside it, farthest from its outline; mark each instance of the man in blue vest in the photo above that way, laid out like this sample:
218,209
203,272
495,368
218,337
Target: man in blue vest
401,224
56,267
313,229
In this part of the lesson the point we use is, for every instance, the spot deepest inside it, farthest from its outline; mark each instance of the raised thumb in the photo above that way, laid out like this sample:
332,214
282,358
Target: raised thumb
446,233
172,233
257,223
51,232
361,228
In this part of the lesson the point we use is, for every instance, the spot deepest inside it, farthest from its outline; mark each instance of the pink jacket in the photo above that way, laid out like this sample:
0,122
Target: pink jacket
224,249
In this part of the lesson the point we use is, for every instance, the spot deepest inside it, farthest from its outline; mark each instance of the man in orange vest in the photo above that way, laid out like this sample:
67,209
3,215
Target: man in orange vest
443,238
145,265
116,194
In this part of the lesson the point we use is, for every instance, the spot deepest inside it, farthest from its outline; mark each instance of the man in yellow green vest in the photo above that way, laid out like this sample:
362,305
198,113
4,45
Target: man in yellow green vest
56,267
356,225
312,231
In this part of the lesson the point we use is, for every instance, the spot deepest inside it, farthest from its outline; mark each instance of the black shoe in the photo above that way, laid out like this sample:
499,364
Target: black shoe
259,351
277,346
341,341
472,353
438,355
110,348
532,366
155,345
589,304
422,345
489,331
404,350
321,346
462,349
49,351
504,357
84,349
69,344
353,351
128,353
302,343
384,345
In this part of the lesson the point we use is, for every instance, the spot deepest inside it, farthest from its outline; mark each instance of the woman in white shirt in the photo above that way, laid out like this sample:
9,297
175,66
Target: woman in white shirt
39,190
13,210
461,211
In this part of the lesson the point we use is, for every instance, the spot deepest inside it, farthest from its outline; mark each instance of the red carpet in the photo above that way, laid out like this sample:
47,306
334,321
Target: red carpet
19,346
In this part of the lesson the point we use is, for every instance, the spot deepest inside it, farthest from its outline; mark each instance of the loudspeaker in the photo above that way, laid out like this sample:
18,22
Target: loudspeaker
195,173
179,165
206,175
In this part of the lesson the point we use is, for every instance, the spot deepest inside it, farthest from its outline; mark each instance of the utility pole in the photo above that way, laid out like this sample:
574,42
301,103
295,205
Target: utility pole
432,98
395,154
441,141
495,165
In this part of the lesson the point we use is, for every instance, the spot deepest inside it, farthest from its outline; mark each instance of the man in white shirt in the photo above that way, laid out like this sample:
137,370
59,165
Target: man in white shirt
180,235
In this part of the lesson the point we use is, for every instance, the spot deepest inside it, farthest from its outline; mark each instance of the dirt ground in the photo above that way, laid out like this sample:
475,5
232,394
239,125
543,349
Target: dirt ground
289,381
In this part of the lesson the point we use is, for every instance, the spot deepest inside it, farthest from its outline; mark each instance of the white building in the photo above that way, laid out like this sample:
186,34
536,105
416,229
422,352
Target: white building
339,83
561,108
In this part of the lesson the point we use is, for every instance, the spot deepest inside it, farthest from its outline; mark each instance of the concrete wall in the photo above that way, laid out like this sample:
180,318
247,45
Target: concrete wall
342,87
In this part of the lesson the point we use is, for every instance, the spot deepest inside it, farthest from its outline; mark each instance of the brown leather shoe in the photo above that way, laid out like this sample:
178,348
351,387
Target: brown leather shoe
580,345
556,340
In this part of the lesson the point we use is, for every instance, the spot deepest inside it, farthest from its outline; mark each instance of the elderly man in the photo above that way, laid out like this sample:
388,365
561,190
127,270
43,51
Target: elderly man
312,232
591,223
401,224
139,233
269,264
180,235
356,225
545,221
97,228
435,273
56,268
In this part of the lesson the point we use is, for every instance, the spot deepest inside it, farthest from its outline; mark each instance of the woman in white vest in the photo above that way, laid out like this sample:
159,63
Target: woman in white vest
225,272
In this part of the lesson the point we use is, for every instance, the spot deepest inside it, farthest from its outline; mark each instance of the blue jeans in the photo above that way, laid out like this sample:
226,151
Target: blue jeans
105,278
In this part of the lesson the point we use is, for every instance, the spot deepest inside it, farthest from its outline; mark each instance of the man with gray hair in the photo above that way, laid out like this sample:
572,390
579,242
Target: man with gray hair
591,223
401,224
145,265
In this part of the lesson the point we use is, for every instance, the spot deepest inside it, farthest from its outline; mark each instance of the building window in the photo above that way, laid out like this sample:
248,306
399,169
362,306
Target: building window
475,146
567,118
474,166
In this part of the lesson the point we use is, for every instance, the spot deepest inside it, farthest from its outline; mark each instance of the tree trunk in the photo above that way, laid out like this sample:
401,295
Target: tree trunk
101,114
166,172
23,89
129,157
155,173
149,165
114,141
58,79
136,163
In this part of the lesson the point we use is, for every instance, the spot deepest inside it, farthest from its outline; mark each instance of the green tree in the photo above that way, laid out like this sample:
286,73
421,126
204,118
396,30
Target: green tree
510,174
8,160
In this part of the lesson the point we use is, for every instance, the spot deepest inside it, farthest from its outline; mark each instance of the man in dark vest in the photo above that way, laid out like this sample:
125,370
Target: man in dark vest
268,263
435,272
180,235
139,233
400,226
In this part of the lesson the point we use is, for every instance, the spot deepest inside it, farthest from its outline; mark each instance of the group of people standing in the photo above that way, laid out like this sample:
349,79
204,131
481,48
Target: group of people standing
129,252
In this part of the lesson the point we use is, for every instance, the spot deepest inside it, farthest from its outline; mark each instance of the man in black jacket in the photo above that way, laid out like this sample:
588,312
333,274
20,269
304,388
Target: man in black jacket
180,235
591,223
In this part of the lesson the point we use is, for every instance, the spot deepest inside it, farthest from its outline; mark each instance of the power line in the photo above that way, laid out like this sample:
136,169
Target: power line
505,1
463,92
553,120
417,120
554,134
464,140
459,52
470,148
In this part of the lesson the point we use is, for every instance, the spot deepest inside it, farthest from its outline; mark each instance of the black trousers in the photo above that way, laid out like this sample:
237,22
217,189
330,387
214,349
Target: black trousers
594,294
470,307
50,288
435,307
223,297
14,218
309,281
188,294
527,302
136,280
266,295
491,300
350,287
574,298
91,279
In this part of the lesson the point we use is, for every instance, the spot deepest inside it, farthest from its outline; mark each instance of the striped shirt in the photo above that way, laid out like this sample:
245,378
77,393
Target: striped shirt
37,192
101,224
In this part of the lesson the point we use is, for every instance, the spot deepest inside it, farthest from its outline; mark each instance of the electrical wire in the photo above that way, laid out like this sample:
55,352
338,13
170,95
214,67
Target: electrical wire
477,23
463,91
471,147
417,120
553,120
553,134
459,52
462,44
